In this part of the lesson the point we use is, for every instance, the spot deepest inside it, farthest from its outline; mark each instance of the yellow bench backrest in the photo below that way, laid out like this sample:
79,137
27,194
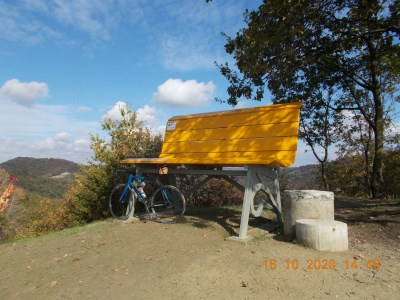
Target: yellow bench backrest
265,135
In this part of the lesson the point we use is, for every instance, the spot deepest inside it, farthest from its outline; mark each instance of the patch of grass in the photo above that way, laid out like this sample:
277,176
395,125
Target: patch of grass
67,231
226,235
261,237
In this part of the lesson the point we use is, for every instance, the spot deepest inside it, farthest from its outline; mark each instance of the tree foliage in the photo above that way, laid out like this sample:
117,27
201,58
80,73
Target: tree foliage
347,174
87,200
299,48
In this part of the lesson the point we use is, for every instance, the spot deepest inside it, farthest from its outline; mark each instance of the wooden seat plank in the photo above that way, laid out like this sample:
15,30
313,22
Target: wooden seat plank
266,135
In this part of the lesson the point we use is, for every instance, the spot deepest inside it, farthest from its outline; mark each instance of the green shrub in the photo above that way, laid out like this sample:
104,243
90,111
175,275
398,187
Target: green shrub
87,200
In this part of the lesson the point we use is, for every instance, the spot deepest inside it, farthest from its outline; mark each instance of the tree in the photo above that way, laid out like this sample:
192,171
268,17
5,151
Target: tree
356,140
295,48
317,125
87,200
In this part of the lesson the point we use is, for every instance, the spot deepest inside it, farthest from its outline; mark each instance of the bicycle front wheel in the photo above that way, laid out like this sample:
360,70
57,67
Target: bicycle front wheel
168,204
120,207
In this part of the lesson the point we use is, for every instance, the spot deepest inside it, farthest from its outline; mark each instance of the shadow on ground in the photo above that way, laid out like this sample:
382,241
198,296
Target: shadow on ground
227,218
353,211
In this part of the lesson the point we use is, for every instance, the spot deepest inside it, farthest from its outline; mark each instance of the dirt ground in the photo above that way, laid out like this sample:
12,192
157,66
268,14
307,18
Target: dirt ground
193,260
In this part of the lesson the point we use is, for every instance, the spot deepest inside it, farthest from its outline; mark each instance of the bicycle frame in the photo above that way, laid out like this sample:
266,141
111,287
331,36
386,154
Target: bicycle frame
129,185
166,203
165,197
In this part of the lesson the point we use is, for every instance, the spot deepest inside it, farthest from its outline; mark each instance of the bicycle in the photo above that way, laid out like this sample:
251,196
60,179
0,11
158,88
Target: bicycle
167,204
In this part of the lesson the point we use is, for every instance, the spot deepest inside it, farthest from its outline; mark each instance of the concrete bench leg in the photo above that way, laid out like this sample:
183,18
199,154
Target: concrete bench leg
255,181
247,200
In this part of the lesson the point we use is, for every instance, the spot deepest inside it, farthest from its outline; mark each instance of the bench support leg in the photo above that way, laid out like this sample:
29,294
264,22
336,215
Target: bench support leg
249,194
256,180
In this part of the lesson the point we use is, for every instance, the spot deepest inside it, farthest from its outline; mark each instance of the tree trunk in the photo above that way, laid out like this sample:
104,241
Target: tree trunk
323,175
377,182
366,151
367,179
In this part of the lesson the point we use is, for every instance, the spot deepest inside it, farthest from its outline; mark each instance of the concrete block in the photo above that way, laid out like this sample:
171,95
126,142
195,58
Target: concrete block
322,235
305,204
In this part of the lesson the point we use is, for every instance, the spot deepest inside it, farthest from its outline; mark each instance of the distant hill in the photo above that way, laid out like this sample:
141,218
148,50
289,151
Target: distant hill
39,166
302,178
47,177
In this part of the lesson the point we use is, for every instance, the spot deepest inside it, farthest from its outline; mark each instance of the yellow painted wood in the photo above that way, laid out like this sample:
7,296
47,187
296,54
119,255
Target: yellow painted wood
265,135
229,145
151,161
255,131
252,117
272,159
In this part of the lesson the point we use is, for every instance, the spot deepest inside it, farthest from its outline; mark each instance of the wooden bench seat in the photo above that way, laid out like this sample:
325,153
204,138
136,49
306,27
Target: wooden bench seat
266,135
261,139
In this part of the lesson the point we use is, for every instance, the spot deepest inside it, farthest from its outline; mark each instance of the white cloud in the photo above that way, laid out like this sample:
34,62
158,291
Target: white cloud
115,112
97,18
39,120
62,145
24,93
149,115
77,149
175,92
241,104
24,22
189,37
18,25
161,129
44,131
186,36
81,145
61,139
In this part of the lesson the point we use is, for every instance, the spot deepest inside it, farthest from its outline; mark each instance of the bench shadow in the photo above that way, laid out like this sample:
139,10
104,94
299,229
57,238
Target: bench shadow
227,218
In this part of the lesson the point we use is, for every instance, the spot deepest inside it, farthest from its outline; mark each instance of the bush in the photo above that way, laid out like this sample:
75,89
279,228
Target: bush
25,214
215,192
29,215
391,173
347,175
87,200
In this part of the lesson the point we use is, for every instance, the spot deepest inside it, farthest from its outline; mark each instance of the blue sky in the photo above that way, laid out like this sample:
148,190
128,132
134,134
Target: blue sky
64,65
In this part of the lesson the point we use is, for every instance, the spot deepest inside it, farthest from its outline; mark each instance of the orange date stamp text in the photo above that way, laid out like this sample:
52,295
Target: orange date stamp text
320,264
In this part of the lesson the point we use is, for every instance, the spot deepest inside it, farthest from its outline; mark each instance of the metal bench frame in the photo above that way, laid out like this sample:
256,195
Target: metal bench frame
257,178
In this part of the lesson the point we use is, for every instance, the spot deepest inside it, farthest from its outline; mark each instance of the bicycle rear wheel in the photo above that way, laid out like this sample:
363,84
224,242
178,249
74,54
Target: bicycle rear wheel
120,208
168,204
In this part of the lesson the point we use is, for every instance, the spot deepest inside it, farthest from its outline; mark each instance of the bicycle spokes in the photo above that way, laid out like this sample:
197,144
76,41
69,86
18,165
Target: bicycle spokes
168,204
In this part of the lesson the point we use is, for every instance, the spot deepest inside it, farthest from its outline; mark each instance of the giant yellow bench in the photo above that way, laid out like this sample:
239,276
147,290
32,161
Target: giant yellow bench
261,139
